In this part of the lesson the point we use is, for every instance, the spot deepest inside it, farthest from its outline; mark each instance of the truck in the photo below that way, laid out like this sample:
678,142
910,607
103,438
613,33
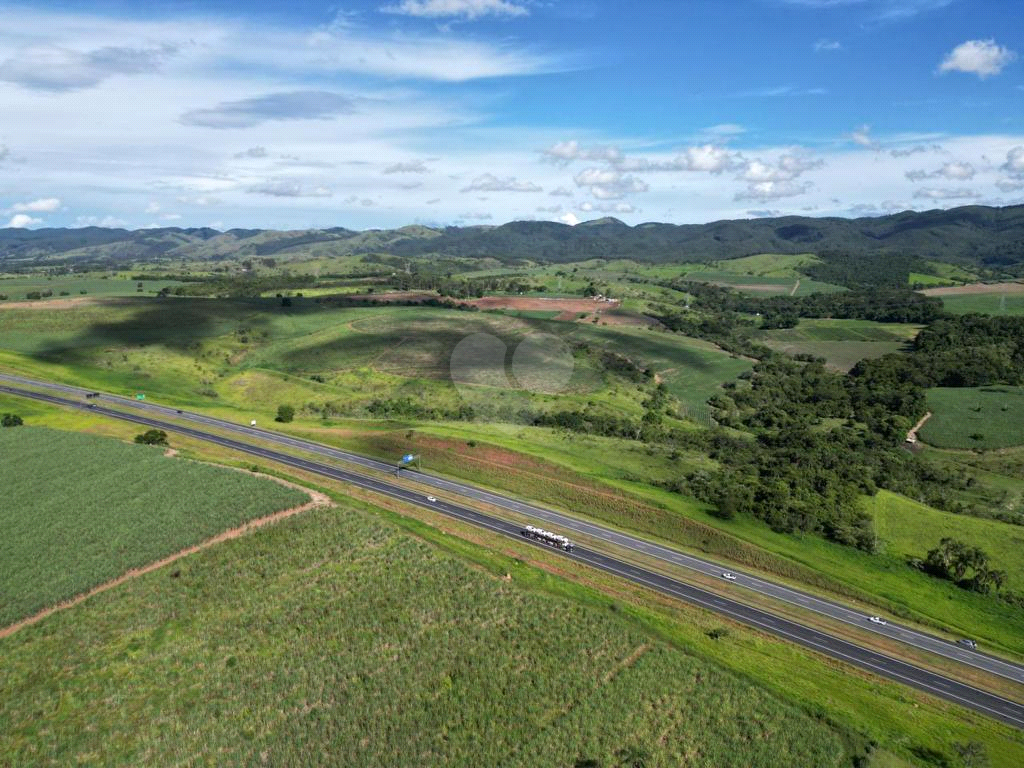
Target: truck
556,540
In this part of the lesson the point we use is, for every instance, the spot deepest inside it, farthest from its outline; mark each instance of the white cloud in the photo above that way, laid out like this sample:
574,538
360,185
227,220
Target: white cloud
1009,185
862,136
23,220
413,166
470,9
548,209
43,205
565,152
287,188
954,171
253,152
788,167
710,158
561,192
1014,164
772,190
570,219
607,184
978,57
827,45
946,194
607,207
105,221
723,130
53,68
294,105
476,216
488,182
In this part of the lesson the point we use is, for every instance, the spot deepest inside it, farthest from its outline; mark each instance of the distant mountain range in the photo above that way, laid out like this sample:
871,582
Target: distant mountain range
972,235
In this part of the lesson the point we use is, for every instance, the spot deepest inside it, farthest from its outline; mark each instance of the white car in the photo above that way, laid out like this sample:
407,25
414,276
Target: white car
878,620
431,498
729,576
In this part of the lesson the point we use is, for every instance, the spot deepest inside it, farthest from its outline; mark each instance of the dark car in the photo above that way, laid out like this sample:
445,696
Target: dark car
968,644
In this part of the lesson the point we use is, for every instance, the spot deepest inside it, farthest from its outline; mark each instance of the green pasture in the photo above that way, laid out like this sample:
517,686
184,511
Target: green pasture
79,510
768,264
251,354
842,343
975,417
910,529
75,286
337,638
994,303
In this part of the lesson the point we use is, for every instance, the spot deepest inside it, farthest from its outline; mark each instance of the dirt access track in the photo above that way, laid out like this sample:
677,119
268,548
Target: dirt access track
569,309
975,288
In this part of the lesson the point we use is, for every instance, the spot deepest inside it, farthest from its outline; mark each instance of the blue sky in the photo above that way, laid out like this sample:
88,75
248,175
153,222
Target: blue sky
379,114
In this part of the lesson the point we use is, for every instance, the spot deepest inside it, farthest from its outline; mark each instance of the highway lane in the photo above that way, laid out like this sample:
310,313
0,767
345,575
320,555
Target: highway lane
981,701
830,608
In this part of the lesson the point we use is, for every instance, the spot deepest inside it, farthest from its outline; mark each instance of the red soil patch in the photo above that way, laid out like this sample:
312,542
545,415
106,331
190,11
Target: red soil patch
974,288
544,304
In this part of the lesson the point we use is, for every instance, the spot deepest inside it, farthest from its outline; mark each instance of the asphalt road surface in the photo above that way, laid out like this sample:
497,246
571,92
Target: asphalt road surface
947,688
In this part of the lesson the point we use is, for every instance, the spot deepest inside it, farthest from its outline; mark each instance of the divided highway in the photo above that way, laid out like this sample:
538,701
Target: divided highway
947,688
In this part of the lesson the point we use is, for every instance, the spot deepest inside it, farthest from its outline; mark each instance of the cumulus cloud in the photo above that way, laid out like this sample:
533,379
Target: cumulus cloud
1010,185
1014,164
908,151
978,57
607,207
608,184
764,191
955,171
570,218
946,194
23,220
52,68
413,166
862,136
710,158
827,45
293,105
42,205
253,152
561,192
788,167
488,182
105,221
565,152
285,188
469,9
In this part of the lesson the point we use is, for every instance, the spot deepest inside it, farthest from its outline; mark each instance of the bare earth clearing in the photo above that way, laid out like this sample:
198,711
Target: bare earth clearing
975,288
78,301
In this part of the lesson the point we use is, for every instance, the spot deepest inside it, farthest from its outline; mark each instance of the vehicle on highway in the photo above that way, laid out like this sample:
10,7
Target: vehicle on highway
431,498
547,537
968,644
729,576
878,620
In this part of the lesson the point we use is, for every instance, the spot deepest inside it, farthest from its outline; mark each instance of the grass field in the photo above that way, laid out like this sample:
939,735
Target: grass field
334,639
74,286
841,342
768,264
975,418
910,529
251,354
80,510
985,303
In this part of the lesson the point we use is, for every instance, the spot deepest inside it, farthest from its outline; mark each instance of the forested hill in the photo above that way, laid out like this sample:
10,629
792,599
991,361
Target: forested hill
973,235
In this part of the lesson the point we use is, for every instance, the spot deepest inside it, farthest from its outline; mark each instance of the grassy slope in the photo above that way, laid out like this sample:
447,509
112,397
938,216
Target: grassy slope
841,342
334,638
910,529
80,510
995,415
